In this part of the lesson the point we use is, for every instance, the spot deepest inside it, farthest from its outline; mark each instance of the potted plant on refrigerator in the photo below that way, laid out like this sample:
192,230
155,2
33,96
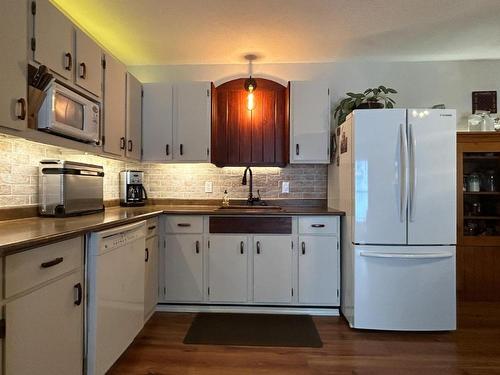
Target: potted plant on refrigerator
377,97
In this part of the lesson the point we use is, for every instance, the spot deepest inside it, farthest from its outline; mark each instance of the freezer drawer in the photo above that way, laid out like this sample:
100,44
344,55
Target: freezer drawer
408,288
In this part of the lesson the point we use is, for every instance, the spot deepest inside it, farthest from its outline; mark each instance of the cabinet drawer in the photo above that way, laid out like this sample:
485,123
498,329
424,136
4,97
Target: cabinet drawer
30,268
152,227
318,225
184,224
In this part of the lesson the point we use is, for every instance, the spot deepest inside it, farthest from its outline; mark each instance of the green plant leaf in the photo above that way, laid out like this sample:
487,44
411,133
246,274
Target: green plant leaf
351,94
392,91
389,105
391,100
358,102
384,89
367,91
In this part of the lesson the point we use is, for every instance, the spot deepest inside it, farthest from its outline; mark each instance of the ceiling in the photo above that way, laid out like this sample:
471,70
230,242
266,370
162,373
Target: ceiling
160,32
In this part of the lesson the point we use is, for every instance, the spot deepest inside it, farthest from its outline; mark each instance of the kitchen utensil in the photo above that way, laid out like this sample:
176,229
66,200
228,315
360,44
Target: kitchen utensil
37,77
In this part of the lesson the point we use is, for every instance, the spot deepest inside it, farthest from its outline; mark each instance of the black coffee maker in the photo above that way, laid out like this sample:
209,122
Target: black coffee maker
132,192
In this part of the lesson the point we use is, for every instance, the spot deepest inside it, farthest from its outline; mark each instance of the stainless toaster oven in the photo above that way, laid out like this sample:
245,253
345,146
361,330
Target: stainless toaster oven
69,188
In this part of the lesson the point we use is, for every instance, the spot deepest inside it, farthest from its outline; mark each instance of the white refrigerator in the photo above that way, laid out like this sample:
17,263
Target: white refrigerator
395,177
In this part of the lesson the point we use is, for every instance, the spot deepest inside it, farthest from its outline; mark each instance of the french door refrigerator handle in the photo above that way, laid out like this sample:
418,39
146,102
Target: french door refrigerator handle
412,172
403,194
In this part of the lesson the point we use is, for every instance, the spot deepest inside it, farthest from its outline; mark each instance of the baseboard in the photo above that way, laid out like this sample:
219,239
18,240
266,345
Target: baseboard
317,311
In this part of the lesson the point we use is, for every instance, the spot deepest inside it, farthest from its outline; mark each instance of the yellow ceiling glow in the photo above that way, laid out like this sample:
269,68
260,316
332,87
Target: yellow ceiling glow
105,27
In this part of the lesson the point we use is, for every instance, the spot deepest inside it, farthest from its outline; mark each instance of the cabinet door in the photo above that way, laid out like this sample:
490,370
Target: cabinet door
184,268
13,36
114,106
272,269
53,33
318,270
44,333
151,276
228,268
192,121
88,63
157,122
309,122
134,117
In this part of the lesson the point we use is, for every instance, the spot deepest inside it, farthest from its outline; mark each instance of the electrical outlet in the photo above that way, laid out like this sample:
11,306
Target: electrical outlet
209,187
285,187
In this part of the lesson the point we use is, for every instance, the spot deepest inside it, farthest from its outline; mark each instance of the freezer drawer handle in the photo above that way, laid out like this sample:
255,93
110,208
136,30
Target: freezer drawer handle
242,247
318,225
147,255
438,255
303,248
52,263
197,247
183,225
152,227
258,247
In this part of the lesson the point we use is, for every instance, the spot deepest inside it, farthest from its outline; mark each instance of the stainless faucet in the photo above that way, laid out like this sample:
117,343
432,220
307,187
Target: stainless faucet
251,199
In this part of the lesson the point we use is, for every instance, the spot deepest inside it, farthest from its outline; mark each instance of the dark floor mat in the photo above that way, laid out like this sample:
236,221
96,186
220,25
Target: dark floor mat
253,330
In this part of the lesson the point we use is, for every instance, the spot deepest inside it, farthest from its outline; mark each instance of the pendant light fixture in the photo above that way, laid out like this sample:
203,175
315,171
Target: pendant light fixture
250,84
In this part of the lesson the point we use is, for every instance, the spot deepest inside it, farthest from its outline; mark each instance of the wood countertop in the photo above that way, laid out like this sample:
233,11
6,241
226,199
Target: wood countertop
22,234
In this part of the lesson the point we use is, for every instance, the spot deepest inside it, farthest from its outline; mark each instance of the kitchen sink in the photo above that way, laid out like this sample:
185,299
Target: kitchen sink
245,207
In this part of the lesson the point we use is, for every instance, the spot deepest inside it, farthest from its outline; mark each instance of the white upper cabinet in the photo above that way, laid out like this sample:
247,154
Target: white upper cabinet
114,106
13,36
309,122
134,118
157,122
88,64
191,120
53,39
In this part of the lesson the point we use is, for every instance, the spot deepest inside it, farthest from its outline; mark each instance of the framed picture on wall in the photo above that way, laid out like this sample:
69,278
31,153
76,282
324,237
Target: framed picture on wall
484,101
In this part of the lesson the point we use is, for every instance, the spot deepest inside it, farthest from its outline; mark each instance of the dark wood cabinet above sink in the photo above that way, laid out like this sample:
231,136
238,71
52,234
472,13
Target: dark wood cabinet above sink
259,137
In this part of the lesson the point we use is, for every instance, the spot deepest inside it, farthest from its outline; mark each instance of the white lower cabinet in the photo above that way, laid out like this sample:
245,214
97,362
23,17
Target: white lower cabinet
151,276
44,330
300,268
228,268
272,269
184,268
318,270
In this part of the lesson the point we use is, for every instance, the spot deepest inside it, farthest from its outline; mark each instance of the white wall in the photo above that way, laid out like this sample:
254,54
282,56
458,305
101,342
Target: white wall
420,84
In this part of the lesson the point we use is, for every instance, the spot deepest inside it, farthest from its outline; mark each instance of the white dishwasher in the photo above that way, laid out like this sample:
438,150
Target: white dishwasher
115,285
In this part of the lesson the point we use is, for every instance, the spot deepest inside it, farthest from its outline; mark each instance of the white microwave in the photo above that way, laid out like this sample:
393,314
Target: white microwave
66,112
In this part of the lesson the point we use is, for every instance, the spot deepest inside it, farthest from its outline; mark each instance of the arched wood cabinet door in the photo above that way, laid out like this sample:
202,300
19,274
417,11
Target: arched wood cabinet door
243,137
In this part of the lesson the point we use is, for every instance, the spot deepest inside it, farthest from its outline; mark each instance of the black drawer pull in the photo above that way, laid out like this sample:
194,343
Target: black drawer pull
152,227
303,248
183,225
318,225
242,247
181,149
197,247
52,263
258,247
147,255
297,149
167,150
79,294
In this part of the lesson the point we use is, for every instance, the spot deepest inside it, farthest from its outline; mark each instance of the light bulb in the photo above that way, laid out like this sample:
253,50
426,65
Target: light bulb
250,101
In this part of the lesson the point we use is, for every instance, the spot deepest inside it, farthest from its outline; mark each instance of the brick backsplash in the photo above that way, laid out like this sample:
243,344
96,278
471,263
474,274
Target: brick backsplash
19,176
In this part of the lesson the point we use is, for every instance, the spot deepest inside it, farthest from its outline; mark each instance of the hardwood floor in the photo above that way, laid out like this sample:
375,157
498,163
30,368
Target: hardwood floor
473,349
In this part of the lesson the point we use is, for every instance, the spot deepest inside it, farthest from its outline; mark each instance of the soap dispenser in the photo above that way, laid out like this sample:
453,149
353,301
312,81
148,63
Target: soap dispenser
225,199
